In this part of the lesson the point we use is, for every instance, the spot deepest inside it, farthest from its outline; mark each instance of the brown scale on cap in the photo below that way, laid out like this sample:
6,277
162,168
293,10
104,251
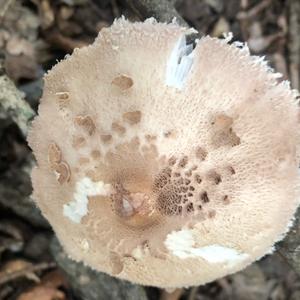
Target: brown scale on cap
214,176
123,82
169,201
116,263
201,153
172,161
150,138
62,171
63,99
170,134
132,117
78,142
83,161
183,162
95,154
231,170
87,123
106,138
118,128
54,154
223,132
188,173
162,179
135,209
61,168
188,166
174,189
198,178
211,214
226,199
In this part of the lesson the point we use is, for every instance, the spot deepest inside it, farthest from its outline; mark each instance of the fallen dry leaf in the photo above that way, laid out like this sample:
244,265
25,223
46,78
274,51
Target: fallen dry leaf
42,293
17,265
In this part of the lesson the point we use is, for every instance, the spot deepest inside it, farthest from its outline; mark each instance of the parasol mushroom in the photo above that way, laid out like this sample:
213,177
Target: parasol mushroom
162,164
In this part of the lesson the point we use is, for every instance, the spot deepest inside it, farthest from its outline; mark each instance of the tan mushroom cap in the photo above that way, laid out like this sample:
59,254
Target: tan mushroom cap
160,183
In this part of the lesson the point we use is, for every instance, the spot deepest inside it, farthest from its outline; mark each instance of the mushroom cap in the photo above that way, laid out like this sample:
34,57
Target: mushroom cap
161,165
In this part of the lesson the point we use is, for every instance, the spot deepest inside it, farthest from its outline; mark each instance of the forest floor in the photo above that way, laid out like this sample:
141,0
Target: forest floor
34,35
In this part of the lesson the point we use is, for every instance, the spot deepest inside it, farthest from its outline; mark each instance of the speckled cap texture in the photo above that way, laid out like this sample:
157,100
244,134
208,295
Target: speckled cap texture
162,164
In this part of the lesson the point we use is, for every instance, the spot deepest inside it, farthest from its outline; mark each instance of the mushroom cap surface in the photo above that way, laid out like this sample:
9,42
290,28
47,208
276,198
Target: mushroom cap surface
163,165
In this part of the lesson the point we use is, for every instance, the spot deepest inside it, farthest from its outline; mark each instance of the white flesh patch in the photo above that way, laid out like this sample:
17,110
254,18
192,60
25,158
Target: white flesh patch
179,64
181,244
78,208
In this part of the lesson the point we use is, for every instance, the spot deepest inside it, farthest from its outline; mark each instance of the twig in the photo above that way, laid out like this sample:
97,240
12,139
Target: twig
21,273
